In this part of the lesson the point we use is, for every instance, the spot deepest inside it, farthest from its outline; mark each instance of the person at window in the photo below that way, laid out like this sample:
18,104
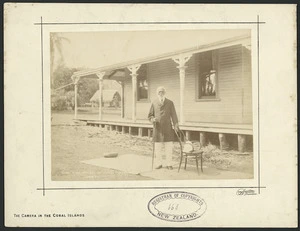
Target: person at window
143,90
207,84
163,114
212,79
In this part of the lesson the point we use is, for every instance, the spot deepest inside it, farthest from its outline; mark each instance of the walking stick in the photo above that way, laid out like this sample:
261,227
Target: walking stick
153,153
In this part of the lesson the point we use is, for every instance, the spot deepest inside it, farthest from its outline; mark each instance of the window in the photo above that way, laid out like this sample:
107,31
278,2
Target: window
142,83
207,78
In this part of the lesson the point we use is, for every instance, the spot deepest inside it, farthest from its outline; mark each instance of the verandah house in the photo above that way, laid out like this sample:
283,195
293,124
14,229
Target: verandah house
210,85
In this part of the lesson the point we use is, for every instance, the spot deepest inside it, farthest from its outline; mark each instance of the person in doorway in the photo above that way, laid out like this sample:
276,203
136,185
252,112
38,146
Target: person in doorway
163,115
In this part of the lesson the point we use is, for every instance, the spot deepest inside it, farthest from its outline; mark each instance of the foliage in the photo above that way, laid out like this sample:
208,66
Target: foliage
63,93
86,89
62,76
63,100
62,97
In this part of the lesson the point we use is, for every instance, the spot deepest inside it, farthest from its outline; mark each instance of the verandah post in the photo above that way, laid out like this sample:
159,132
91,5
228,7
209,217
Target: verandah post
181,60
75,96
75,80
122,99
133,69
100,79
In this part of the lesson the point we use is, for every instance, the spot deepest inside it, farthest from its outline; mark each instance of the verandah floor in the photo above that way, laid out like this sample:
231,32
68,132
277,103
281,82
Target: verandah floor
115,119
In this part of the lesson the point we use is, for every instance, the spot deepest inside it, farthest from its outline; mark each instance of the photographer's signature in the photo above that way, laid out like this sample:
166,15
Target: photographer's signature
245,192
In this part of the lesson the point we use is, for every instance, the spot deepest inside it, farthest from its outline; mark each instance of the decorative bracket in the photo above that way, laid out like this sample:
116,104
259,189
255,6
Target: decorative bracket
100,75
133,69
75,79
181,60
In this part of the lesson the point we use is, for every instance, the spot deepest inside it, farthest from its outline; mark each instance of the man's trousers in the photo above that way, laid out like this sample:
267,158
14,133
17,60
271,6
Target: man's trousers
163,148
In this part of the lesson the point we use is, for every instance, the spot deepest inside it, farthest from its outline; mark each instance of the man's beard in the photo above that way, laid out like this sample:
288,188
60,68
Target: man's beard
161,97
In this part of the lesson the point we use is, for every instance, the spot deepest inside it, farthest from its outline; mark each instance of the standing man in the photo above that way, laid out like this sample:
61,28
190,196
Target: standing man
162,114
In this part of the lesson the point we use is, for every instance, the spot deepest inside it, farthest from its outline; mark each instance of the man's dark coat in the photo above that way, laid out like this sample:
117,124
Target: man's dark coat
164,115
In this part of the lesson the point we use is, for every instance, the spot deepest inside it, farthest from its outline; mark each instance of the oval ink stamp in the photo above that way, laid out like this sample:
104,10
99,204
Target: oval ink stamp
177,206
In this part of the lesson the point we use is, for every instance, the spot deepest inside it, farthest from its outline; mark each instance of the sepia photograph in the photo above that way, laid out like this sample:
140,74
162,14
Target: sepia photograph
150,115
151,105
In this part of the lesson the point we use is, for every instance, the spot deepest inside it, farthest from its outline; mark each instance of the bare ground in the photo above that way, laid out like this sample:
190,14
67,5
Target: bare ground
72,144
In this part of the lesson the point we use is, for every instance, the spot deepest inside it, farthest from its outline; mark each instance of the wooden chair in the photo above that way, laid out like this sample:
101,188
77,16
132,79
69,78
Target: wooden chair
187,151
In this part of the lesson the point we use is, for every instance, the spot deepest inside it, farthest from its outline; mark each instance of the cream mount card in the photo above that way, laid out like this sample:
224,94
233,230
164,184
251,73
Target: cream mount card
150,115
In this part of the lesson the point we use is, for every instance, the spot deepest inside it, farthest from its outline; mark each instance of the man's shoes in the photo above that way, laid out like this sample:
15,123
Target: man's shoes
170,167
158,167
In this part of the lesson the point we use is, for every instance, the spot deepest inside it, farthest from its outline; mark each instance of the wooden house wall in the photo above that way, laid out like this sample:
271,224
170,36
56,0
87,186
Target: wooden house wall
227,108
234,85
162,73
247,86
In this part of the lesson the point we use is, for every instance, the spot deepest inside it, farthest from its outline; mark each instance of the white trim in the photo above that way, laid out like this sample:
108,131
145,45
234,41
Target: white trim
181,60
193,50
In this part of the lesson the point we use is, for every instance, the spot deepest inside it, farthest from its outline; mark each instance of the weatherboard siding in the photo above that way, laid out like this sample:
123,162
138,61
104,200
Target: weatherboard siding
227,108
247,86
234,104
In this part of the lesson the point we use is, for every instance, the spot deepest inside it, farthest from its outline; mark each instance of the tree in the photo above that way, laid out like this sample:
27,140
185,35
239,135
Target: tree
62,76
56,52
62,96
86,89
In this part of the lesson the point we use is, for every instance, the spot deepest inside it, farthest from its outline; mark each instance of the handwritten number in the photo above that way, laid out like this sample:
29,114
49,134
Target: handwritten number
173,206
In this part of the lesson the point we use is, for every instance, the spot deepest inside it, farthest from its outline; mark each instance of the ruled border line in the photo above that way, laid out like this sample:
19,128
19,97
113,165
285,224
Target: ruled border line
258,122
143,23
41,24
43,115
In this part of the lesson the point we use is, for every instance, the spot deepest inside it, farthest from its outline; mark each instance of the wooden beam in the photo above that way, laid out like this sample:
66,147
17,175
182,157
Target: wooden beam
130,131
140,131
188,135
149,133
123,130
242,143
243,129
223,142
203,141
